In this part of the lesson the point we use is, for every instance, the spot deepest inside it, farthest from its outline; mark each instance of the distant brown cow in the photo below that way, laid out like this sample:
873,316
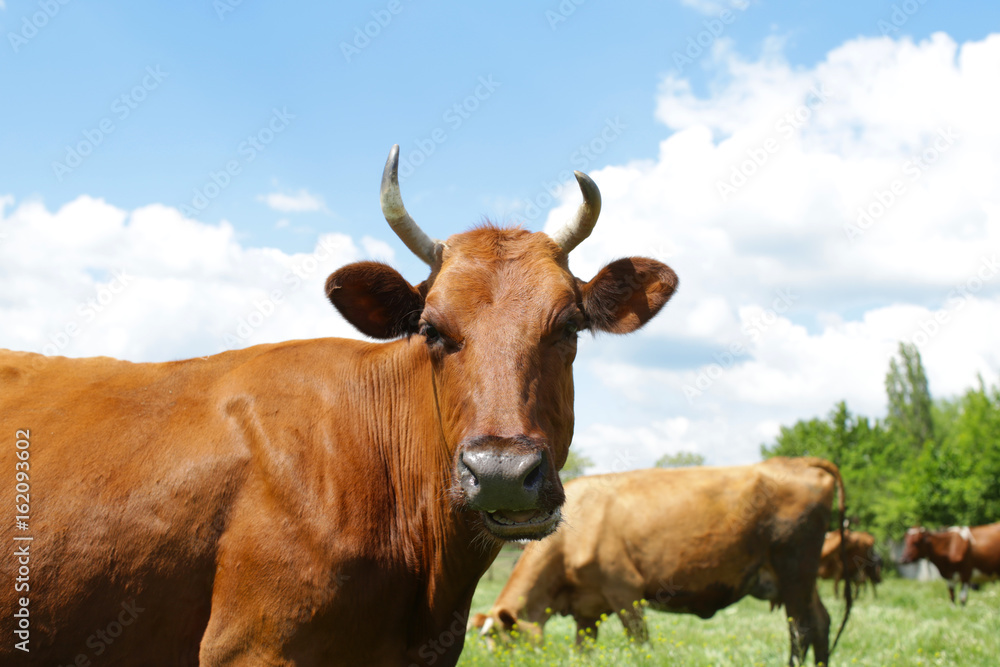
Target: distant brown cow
314,502
862,561
691,540
959,553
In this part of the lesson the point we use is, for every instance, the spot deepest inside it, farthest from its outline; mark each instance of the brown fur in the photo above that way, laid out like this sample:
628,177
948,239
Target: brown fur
291,504
690,540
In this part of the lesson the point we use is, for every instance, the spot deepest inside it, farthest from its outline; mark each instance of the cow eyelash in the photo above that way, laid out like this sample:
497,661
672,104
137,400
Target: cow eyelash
435,338
569,330
430,332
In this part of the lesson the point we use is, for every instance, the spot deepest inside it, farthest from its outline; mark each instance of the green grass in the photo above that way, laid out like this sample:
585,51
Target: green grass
910,623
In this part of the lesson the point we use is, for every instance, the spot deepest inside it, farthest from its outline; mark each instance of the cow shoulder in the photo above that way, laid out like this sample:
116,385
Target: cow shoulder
591,539
958,548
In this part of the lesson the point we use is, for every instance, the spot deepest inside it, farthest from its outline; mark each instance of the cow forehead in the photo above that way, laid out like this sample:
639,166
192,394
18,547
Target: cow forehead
511,268
490,242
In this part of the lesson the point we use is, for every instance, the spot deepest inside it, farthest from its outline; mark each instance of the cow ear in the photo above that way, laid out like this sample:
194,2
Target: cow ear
375,299
957,550
627,293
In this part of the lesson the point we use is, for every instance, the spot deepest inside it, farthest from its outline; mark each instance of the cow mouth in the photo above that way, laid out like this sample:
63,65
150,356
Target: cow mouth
521,525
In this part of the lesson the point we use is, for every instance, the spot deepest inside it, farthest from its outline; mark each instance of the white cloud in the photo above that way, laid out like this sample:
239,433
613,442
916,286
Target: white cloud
809,158
618,448
152,285
298,202
713,7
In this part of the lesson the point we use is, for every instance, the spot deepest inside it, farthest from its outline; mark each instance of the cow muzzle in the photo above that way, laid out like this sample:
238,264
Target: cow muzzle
510,482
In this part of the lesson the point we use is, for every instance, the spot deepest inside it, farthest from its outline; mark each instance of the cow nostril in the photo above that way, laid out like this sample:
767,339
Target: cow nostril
533,477
467,472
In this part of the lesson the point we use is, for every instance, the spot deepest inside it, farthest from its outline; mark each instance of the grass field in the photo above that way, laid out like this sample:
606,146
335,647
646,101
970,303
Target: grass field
910,623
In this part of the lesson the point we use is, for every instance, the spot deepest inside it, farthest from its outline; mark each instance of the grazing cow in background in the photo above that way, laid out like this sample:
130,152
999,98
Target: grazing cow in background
862,561
691,540
959,553
314,502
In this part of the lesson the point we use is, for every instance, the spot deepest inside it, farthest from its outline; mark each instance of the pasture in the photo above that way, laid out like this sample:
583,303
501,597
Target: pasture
911,623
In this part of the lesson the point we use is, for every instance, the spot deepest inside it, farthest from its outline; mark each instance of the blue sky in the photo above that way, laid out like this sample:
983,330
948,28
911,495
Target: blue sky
184,87
226,71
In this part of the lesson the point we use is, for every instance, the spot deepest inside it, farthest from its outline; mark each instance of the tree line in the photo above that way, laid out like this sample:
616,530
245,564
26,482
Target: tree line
927,462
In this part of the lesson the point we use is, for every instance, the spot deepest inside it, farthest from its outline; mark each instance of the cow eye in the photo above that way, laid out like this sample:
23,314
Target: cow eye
570,330
429,332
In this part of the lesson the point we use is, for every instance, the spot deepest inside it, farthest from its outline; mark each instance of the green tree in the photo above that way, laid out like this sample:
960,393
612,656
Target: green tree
680,460
935,463
958,480
909,397
803,438
858,447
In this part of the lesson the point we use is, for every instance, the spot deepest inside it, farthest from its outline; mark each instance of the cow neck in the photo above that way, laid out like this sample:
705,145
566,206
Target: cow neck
444,546
940,542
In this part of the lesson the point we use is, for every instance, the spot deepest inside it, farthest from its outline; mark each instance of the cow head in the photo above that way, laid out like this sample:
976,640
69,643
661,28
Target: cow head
499,316
914,545
501,626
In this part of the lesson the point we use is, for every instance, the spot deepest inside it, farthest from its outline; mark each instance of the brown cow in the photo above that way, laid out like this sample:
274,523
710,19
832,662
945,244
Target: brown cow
691,540
315,502
959,553
862,561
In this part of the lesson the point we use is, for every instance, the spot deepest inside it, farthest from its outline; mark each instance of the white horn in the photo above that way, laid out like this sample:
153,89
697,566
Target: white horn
583,223
395,214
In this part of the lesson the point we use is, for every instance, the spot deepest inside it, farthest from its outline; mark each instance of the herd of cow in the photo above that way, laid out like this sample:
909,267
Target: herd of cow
696,540
691,540
335,502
